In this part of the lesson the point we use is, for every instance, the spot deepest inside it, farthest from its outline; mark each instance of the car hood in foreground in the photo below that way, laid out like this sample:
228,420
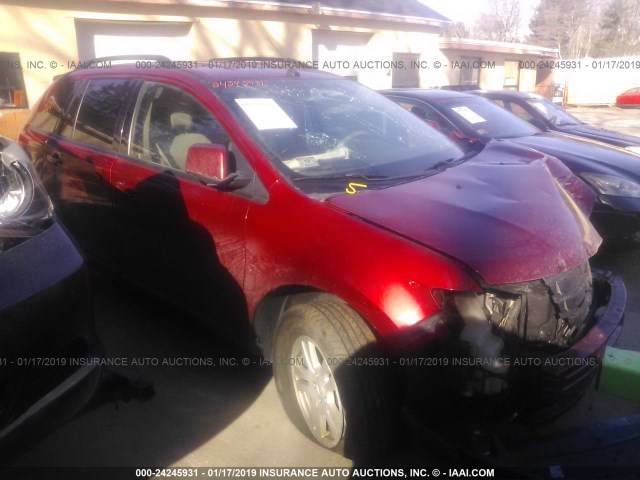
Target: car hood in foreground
584,155
602,135
501,213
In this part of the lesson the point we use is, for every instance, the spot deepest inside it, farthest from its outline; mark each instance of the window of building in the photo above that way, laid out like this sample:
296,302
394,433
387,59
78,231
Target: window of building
511,75
12,91
470,71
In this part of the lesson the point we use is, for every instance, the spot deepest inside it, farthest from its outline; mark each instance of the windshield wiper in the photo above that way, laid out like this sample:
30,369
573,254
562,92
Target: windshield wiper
564,124
450,162
342,176
437,168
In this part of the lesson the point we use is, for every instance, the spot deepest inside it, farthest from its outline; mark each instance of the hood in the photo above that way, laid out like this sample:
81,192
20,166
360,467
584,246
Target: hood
501,213
602,135
584,155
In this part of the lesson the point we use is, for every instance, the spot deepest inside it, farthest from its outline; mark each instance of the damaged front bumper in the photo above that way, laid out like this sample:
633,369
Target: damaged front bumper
504,430
510,355
566,375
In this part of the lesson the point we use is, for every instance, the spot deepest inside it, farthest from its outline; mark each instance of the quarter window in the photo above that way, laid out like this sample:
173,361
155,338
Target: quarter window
56,107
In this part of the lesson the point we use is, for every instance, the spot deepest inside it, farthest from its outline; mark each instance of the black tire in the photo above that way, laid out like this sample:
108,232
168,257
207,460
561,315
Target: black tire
350,378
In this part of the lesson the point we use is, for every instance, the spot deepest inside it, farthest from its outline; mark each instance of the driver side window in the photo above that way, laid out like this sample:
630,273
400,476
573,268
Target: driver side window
520,112
167,122
428,115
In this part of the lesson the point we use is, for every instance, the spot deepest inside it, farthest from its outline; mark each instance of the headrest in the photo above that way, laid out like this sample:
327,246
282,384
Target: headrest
419,112
181,120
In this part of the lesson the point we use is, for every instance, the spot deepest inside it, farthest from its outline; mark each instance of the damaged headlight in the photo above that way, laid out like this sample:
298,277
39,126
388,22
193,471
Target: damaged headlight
25,209
613,185
540,315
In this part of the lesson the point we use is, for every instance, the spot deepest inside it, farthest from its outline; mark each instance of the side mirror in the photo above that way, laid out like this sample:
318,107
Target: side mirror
539,124
208,160
215,167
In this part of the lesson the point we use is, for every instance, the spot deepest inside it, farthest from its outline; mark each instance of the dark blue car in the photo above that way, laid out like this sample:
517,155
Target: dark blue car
549,117
50,356
473,121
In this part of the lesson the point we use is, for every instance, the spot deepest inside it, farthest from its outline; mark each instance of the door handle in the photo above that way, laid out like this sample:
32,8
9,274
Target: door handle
54,158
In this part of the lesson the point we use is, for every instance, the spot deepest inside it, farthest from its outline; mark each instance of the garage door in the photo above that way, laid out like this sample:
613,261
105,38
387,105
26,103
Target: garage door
102,39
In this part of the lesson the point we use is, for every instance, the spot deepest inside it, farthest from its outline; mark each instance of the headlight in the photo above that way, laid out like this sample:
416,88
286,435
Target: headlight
16,190
613,185
633,149
25,209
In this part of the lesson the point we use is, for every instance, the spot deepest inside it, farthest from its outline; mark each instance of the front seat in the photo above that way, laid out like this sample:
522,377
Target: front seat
182,122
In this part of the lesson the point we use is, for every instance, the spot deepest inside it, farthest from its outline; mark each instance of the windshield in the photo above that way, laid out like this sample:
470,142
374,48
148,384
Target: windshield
479,117
326,130
553,113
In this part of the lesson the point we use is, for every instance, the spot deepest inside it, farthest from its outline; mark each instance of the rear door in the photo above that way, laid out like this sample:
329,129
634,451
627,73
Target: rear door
179,237
76,161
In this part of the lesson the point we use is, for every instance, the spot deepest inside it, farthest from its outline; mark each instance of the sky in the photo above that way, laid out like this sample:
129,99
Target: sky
467,11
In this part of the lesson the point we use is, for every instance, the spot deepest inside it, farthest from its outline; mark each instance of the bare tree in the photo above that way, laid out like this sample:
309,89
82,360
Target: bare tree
502,23
456,30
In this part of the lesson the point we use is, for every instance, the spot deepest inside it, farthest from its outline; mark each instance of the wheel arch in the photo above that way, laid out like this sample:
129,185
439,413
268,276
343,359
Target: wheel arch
271,308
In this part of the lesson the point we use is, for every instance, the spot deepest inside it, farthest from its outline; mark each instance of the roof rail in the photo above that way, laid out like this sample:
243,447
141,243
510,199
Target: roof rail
264,62
159,58
257,59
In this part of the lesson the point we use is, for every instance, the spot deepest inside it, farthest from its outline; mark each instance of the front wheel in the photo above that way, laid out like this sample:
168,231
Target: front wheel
332,383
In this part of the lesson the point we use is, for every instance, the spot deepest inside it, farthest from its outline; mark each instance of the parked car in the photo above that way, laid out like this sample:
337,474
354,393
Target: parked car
630,98
548,116
474,121
49,366
459,88
338,226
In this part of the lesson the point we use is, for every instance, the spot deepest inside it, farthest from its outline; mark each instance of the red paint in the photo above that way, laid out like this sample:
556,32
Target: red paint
494,220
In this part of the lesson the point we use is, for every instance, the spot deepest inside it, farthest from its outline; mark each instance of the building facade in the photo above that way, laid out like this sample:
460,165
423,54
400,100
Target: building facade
383,45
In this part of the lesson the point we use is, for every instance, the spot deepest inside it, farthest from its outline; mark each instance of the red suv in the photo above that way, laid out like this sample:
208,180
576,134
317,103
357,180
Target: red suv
343,233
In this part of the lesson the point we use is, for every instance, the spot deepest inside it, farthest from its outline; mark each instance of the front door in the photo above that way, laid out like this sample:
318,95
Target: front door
180,238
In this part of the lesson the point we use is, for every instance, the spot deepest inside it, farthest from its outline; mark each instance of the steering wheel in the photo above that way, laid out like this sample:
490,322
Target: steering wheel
351,136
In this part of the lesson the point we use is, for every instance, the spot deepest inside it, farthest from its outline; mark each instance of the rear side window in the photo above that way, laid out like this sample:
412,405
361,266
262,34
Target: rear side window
53,108
99,112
